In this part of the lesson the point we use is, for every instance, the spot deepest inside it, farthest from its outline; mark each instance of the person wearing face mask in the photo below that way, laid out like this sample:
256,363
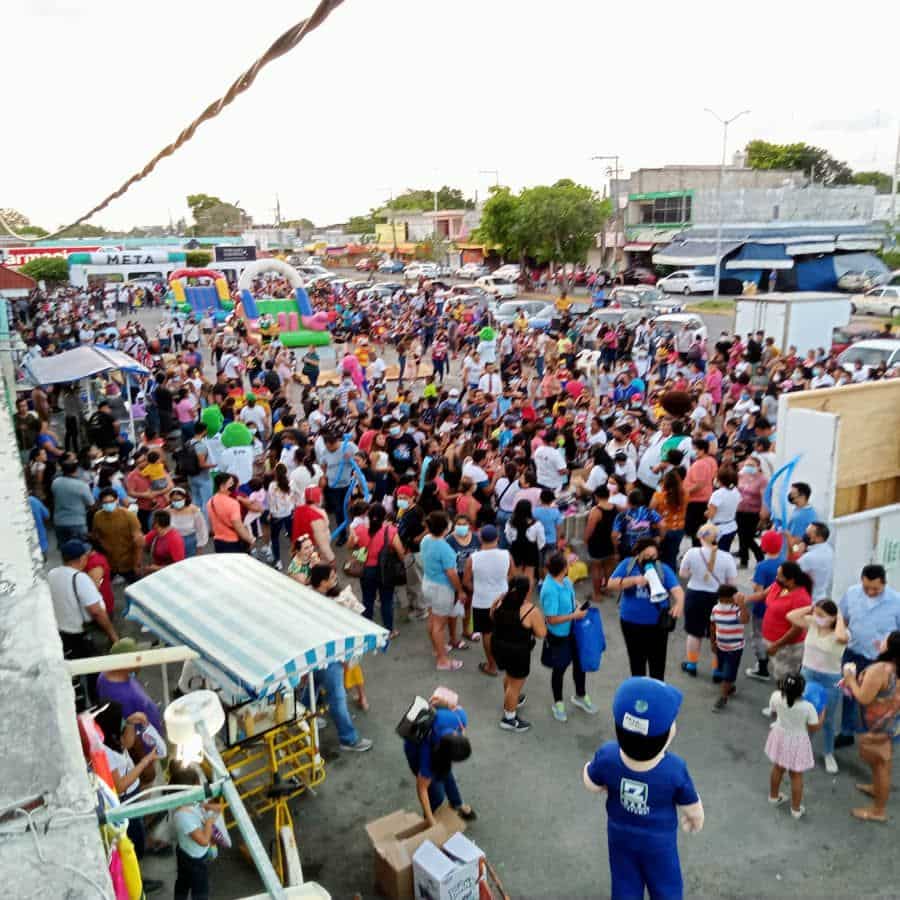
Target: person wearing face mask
463,542
117,531
411,529
640,614
751,484
821,378
225,515
188,521
823,648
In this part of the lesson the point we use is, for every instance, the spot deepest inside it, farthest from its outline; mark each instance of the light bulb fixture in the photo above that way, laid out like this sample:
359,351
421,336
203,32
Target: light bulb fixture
189,719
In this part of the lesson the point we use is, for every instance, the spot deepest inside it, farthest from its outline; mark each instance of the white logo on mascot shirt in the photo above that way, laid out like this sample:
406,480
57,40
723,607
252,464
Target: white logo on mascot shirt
633,797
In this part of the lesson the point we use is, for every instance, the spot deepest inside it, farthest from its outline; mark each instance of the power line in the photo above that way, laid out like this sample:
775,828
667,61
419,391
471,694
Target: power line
280,47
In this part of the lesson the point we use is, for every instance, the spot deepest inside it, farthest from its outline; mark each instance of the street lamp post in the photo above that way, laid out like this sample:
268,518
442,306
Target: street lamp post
615,199
725,123
494,172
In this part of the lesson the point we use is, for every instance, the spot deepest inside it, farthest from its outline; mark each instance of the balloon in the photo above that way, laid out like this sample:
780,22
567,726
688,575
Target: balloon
213,419
236,434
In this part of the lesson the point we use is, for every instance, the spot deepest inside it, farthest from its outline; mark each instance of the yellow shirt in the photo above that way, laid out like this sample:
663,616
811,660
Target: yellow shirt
563,303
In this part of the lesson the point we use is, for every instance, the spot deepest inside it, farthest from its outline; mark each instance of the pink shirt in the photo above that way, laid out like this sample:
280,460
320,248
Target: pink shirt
751,488
184,410
714,384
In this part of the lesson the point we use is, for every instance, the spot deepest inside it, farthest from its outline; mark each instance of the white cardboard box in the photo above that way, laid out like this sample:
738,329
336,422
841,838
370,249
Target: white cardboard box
448,873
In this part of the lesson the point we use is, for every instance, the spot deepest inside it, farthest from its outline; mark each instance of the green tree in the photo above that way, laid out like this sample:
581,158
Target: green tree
34,230
305,224
16,220
197,259
881,181
364,224
447,198
501,223
815,162
47,268
213,216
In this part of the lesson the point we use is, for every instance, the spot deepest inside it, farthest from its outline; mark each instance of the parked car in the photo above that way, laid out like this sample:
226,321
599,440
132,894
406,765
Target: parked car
512,271
543,318
313,261
501,288
391,266
507,312
643,297
358,285
417,270
393,286
672,323
871,354
879,301
613,317
857,282
366,264
687,281
472,271
310,272
842,338
639,275
469,290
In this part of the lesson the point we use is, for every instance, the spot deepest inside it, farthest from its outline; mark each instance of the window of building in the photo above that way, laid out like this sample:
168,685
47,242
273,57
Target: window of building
666,211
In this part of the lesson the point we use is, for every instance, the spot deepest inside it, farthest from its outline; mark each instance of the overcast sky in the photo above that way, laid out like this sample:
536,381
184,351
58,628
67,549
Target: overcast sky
413,93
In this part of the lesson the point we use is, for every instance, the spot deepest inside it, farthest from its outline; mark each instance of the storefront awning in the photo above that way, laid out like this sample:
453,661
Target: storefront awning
760,256
812,248
82,362
693,253
638,247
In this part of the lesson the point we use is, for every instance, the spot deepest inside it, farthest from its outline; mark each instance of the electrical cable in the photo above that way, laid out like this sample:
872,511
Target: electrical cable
45,861
282,45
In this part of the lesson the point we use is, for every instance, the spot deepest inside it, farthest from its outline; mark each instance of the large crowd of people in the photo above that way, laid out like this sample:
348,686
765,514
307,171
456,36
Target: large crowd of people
436,469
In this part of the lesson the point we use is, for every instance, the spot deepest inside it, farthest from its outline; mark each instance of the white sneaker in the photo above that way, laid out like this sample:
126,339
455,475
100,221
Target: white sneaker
831,766
766,711
798,813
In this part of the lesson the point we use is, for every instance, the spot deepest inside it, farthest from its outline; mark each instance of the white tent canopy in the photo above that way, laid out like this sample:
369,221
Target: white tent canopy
255,629
81,362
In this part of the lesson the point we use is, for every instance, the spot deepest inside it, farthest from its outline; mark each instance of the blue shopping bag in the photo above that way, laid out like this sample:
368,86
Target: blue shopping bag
816,695
590,640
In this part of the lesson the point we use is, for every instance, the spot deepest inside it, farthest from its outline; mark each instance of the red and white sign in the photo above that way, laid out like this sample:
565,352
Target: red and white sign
18,256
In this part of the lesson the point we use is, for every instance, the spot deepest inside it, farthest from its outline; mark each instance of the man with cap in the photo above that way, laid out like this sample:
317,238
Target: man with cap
77,602
647,789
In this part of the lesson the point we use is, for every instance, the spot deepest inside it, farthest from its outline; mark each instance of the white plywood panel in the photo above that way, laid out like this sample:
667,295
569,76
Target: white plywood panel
812,436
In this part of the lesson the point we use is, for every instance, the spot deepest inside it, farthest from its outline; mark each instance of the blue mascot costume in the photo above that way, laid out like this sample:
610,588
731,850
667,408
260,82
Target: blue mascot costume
647,788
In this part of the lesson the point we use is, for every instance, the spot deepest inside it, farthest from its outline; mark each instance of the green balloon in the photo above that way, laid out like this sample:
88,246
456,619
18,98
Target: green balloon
213,419
236,434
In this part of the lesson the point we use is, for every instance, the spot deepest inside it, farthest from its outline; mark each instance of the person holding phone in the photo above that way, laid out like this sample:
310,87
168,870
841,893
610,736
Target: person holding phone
560,651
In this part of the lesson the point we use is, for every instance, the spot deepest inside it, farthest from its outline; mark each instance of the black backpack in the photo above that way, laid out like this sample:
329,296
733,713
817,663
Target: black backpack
187,463
417,721
391,569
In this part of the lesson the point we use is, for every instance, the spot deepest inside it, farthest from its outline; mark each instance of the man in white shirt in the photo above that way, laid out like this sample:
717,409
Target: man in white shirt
491,382
550,464
818,560
191,331
647,475
253,413
237,461
229,365
77,602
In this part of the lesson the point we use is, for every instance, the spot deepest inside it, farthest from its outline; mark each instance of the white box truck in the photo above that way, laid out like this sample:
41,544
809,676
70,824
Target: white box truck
804,320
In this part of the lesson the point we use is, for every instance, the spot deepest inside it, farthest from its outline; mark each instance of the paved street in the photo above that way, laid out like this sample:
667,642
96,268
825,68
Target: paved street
543,832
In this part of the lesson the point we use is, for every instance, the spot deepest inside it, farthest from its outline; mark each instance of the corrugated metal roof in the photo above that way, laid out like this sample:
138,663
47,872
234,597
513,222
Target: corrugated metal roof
10,280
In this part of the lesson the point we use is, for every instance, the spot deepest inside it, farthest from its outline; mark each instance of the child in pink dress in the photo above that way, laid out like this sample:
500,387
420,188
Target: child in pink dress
788,746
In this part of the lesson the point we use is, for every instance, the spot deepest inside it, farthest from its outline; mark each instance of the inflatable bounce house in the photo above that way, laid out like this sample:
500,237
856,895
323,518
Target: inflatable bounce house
199,299
291,319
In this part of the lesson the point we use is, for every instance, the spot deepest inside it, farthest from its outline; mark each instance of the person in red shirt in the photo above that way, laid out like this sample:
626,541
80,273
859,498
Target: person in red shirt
791,590
97,567
165,543
312,521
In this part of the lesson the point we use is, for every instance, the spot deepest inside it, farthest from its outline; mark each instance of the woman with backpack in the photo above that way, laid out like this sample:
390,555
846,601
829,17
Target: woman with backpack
376,537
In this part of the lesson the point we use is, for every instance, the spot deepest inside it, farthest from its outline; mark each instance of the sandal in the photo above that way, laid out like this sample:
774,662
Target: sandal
459,645
483,668
474,637
866,789
867,814
466,813
452,666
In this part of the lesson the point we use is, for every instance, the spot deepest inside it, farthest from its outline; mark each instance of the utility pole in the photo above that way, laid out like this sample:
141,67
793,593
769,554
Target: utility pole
494,172
615,199
725,123
277,212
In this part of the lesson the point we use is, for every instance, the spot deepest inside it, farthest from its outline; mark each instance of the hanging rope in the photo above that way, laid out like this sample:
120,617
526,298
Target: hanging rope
280,47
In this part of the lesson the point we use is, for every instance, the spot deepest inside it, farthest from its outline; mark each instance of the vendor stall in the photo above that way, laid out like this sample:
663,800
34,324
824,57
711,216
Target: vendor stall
82,363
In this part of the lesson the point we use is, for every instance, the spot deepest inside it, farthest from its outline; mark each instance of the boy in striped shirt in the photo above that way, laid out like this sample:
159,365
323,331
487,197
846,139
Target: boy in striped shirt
726,632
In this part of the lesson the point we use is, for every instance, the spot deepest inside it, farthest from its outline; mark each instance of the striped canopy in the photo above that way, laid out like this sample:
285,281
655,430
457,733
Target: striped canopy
255,629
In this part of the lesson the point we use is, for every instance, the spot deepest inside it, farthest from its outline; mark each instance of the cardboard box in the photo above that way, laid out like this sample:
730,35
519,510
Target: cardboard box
396,837
451,872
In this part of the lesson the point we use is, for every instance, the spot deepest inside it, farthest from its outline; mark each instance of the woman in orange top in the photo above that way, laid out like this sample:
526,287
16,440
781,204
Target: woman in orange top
670,501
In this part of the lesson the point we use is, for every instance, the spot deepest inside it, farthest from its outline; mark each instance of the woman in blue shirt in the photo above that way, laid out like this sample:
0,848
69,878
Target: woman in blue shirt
441,587
645,638
560,610
431,761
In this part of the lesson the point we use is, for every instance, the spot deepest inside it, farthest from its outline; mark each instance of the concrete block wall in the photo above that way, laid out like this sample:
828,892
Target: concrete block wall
40,751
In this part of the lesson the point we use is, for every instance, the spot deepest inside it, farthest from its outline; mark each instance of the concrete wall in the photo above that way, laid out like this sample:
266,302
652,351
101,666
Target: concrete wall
784,204
685,178
40,752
